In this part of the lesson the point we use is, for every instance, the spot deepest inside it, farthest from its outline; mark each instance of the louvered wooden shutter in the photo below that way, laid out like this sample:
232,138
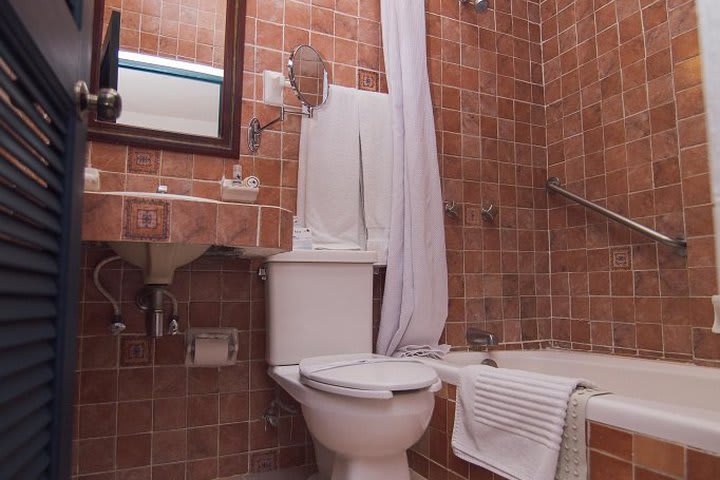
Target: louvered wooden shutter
39,251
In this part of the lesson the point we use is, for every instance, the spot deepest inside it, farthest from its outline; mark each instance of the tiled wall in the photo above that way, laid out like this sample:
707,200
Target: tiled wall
626,128
141,414
188,30
486,82
613,454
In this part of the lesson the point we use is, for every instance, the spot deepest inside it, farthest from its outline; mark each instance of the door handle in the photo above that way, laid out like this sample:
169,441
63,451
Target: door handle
107,104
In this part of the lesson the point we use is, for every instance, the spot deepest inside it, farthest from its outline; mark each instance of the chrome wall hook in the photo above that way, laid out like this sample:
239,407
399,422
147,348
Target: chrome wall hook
489,213
479,5
451,209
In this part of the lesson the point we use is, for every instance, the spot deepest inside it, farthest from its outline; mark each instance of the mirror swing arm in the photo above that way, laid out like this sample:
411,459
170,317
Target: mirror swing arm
255,128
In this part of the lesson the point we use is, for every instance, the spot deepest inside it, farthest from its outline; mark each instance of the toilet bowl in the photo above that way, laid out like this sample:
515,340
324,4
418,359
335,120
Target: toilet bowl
365,410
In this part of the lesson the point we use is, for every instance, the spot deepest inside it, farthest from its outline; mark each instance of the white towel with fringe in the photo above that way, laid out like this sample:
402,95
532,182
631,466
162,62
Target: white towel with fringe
511,421
329,202
376,152
422,351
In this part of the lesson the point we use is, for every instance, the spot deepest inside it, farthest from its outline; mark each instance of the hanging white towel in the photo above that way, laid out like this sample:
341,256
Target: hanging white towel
376,152
415,301
329,201
511,421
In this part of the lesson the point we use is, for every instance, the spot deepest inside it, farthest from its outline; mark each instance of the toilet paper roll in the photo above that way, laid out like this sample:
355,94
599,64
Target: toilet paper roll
211,351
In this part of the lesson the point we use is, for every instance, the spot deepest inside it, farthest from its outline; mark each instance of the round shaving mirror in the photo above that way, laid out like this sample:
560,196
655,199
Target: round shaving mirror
308,76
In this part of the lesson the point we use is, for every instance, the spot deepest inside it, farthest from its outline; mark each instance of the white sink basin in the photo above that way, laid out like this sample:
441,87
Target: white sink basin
158,261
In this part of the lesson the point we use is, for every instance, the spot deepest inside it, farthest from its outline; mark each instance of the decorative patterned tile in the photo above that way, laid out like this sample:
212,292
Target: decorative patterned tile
135,351
146,219
473,216
144,161
620,258
263,462
368,80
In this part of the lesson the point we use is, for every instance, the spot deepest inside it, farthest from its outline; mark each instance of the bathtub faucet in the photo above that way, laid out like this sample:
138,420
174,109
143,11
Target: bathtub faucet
480,338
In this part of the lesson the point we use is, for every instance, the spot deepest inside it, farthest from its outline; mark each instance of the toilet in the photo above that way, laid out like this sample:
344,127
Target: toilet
363,410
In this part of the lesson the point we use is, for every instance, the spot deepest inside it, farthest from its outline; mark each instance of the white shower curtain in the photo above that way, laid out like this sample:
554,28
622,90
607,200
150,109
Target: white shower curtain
415,302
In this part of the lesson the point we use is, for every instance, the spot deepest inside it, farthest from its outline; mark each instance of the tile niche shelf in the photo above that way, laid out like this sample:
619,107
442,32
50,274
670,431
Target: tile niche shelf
259,230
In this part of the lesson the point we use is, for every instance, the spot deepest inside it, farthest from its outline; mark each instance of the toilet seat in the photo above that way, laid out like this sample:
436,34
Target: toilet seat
367,375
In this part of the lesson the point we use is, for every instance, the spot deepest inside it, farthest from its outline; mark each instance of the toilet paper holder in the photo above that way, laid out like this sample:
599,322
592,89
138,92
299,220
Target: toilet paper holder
229,335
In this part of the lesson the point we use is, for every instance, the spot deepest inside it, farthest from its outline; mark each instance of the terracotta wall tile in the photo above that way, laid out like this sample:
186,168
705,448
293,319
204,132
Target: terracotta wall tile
641,165
189,32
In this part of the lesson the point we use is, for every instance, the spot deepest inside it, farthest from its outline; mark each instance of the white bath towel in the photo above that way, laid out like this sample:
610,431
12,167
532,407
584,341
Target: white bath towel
376,152
511,421
329,202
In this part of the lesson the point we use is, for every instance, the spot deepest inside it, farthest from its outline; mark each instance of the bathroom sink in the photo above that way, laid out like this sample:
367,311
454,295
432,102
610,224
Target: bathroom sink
160,232
158,261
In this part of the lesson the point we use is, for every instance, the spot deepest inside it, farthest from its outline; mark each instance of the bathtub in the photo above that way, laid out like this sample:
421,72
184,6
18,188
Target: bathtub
674,402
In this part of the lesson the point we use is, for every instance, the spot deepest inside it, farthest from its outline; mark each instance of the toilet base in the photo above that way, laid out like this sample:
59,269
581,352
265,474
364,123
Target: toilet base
371,468
357,438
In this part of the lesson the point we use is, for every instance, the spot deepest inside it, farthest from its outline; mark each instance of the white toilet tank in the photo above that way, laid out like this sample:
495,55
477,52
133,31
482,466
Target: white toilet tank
319,302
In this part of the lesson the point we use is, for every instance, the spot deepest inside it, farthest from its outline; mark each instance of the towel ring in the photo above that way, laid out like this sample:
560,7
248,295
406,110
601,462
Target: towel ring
308,76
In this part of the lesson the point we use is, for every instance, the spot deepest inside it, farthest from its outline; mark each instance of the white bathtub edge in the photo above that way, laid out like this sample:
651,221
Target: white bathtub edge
652,419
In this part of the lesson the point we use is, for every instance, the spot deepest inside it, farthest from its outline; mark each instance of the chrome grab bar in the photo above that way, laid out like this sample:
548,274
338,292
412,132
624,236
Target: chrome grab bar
553,185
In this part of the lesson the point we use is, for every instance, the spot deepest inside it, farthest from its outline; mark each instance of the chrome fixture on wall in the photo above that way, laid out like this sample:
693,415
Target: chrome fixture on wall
489,213
553,185
479,5
451,209
476,337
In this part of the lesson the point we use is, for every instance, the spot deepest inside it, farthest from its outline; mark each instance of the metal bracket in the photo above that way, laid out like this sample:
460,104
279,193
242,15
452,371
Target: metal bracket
262,273
255,128
451,209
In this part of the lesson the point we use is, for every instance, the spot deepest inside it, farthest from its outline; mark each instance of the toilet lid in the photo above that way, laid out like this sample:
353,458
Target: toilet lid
368,372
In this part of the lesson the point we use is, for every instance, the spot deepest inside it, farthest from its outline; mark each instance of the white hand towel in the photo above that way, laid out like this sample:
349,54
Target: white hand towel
511,421
376,151
329,202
